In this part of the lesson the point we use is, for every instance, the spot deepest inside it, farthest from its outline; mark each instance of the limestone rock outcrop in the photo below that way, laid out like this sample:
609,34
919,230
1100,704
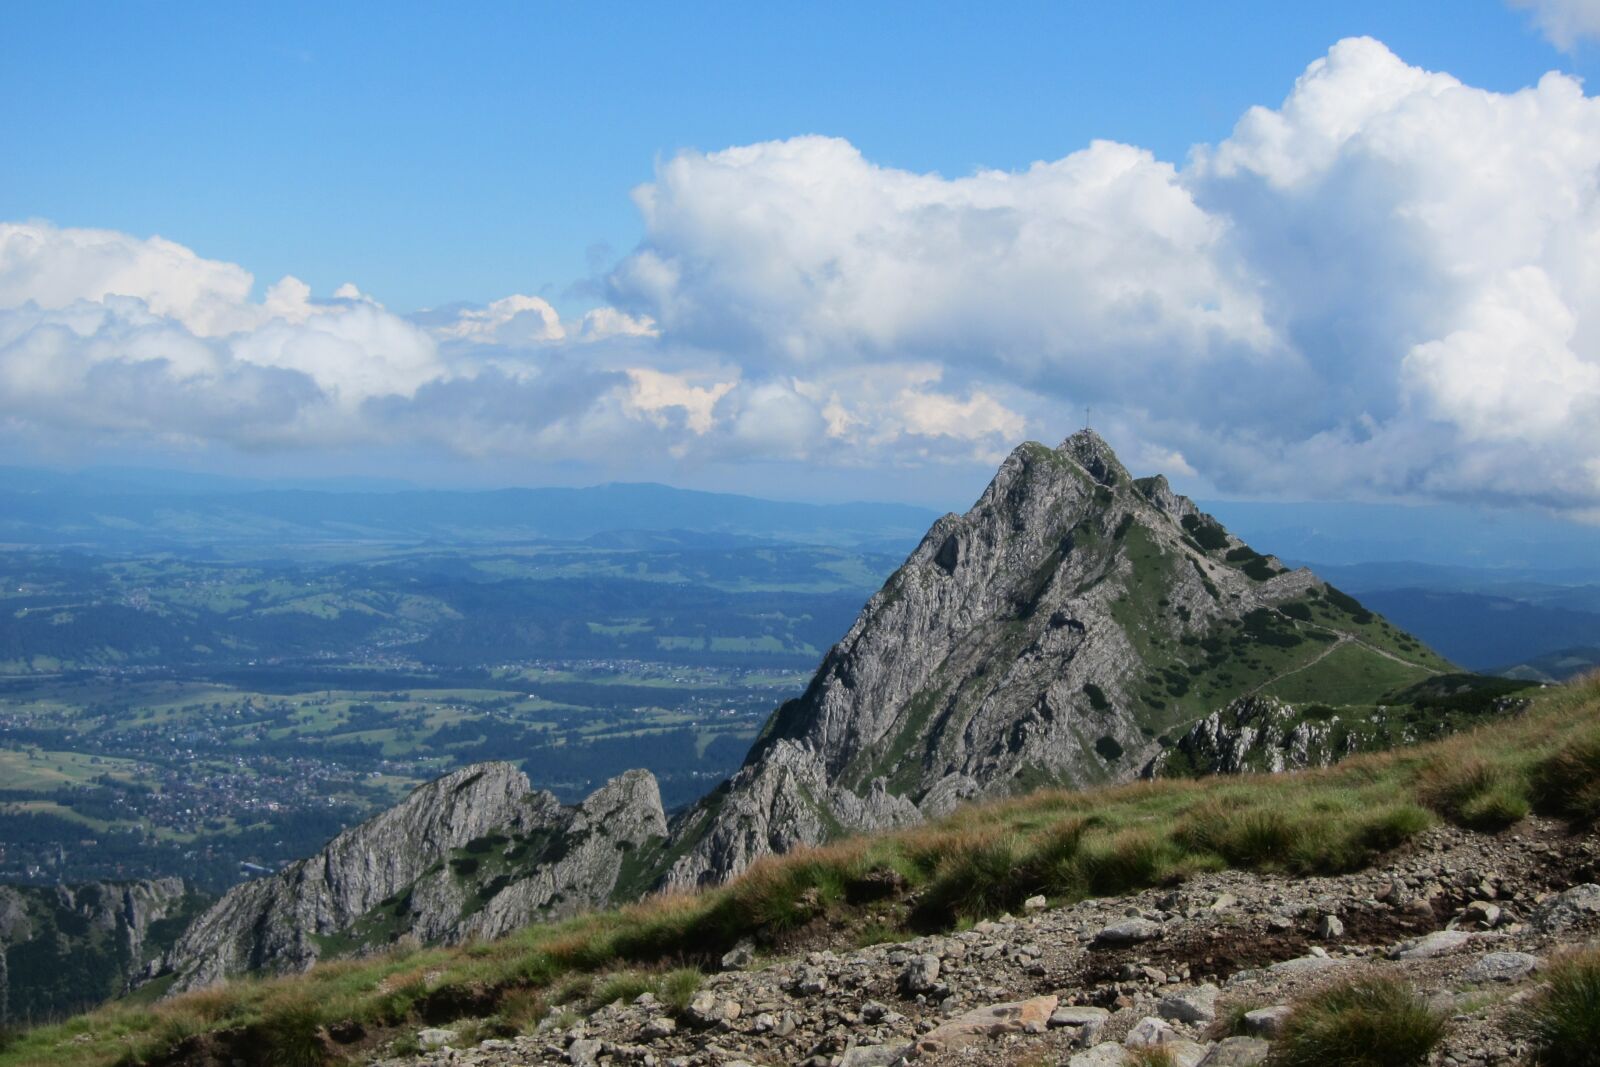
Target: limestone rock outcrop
1049,636
65,947
476,852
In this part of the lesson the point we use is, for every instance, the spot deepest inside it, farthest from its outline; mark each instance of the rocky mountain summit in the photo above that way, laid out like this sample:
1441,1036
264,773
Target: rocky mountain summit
1057,633
1206,972
478,852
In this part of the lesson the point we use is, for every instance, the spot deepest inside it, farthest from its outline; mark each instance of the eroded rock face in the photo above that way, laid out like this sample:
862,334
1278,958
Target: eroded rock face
78,944
477,852
1254,733
1019,645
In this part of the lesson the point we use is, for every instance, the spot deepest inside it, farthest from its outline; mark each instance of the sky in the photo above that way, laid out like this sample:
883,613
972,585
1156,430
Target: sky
823,251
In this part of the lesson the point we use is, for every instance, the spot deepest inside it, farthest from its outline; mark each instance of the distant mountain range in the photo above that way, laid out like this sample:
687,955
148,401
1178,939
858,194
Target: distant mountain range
139,510
1491,591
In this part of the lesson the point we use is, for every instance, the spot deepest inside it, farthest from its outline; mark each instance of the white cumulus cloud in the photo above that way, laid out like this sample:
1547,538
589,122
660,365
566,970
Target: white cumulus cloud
1388,283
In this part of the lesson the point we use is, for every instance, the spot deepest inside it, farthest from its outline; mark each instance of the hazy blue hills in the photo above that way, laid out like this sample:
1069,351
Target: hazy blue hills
1484,632
1436,535
143,509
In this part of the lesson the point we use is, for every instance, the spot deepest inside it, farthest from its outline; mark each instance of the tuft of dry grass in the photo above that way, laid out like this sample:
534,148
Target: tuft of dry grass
1562,1021
1365,1022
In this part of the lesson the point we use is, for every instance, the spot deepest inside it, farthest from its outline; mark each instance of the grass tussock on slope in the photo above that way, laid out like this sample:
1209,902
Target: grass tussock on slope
1562,1021
1366,1022
980,861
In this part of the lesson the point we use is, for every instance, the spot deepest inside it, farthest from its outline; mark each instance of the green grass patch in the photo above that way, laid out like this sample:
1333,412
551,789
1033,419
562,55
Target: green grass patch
1366,1022
1562,1021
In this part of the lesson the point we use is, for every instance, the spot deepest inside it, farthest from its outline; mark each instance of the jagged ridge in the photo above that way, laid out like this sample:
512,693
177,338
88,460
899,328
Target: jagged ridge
1051,635
475,853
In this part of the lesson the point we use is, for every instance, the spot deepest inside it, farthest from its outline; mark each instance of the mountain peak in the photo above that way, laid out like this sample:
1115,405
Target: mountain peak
1052,635
1095,456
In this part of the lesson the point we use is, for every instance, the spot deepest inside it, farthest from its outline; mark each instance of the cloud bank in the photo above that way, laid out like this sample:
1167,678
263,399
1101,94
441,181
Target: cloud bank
1389,284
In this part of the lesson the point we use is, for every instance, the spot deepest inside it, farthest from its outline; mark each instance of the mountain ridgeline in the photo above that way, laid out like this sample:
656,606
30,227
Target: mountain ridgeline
1077,626
1064,631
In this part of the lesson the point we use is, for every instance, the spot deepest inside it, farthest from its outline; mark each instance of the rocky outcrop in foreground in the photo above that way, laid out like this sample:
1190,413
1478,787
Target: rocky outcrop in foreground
475,853
1469,920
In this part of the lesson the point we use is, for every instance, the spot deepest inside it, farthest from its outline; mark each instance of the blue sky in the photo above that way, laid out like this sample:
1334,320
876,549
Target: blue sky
436,153
832,251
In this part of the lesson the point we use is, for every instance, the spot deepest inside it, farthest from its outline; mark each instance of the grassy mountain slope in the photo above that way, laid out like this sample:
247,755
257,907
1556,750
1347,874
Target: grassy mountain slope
976,862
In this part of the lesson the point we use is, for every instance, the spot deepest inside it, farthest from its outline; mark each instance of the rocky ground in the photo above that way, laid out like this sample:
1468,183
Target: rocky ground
1468,919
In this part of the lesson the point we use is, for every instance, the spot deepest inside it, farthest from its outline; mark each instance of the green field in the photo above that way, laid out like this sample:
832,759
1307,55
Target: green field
196,777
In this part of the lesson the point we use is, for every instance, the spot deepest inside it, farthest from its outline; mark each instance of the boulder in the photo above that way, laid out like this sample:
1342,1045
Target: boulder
1238,1052
1083,1023
1501,967
873,1056
1562,912
920,974
1148,1032
1438,943
1109,1054
1197,1006
1023,1016
1128,932
739,957
1265,1022
435,1038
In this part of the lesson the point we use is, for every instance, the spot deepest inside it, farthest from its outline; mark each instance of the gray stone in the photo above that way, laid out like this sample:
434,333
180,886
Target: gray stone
436,1038
1562,912
1266,1022
1109,1054
873,1056
1438,943
739,957
1238,1052
1329,927
708,1009
1197,1006
585,1052
1035,903
920,974
811,982
1185,1053
1501,967
1149,1031
1084,1023
1128,932
659,1027
1304,965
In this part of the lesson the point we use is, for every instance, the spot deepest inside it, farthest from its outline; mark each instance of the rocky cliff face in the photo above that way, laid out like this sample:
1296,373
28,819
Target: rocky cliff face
1255,734
1048,636
477,852
63,948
